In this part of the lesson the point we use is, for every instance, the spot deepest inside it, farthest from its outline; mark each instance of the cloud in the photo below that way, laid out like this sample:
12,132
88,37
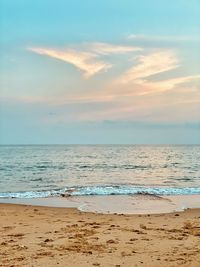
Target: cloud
138,92
162,86
86,57
106,49
183,38
149,65
85,61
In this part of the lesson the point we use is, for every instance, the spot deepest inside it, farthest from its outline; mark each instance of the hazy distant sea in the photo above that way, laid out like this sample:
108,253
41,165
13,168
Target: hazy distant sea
46,170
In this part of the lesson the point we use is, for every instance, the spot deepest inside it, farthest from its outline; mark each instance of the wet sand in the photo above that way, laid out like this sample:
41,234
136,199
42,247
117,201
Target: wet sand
48,236
126,204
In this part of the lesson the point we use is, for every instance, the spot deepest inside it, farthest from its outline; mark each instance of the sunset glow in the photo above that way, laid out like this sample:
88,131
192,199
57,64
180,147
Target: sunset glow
61,69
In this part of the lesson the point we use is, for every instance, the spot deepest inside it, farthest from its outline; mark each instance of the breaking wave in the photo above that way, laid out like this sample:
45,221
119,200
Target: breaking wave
103,190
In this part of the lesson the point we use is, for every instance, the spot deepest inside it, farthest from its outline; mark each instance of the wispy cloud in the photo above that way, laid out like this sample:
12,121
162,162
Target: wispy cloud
106,49
179,38
65,99
86,57
149,65
137,92
85,61
166,85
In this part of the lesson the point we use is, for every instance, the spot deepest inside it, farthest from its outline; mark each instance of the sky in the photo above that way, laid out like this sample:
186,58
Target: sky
99,72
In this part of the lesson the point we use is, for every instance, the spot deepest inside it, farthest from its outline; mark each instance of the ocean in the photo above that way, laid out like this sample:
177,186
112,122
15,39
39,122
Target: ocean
32,171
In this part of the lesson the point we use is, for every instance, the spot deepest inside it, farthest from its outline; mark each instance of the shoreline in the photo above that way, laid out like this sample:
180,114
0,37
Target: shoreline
116,204
50,236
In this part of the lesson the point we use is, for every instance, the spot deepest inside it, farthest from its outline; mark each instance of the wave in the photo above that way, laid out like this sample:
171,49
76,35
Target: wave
110,167
103,190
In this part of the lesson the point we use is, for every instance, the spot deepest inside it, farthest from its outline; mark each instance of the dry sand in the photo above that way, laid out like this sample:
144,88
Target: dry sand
42,236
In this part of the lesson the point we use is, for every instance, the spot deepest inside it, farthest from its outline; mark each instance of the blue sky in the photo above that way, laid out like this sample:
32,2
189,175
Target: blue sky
100,71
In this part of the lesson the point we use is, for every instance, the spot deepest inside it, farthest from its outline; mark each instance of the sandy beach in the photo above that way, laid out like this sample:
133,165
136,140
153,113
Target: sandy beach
43,236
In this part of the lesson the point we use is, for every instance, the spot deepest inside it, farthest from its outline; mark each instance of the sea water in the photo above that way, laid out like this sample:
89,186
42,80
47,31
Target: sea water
51,170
